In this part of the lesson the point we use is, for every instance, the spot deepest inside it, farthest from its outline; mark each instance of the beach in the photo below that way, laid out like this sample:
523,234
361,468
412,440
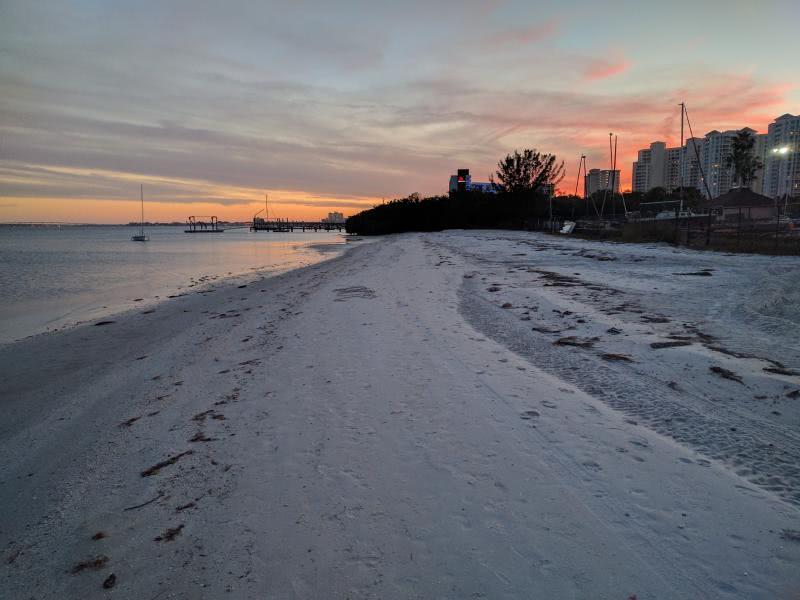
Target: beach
464,414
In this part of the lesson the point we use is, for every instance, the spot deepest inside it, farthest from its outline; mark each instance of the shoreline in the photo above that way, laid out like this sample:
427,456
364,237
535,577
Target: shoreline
84,314
381,424
164,311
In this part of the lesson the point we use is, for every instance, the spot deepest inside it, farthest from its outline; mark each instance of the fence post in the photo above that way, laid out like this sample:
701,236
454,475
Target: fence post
739,229
677,241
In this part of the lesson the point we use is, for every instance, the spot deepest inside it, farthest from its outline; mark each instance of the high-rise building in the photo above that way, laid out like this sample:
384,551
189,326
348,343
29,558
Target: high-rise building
673,168
336,218
760,152
648,170
701,163
716,149
640,172
692,161
781,178
600,179
668,168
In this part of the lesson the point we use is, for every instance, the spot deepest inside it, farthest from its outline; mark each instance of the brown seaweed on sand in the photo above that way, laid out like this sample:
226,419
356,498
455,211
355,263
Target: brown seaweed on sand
616,357
726,374
658,345
164,463
576,341
169,534
98,562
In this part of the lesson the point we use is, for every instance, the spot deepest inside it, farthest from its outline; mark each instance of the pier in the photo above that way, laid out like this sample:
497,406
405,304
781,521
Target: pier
210,226
279,225
285,225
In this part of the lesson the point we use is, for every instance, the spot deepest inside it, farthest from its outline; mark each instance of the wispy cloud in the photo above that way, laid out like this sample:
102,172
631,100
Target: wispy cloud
330,107
522,35
600,68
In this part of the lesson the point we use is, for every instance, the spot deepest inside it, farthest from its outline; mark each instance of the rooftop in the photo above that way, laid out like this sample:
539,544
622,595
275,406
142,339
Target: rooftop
740,197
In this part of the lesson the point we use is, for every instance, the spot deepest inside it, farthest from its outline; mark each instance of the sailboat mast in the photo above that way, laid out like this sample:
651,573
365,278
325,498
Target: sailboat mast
614,179
610,164
141,195
680,174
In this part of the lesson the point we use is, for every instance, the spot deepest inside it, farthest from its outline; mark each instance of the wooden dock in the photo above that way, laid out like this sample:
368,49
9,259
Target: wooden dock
194,225
286,226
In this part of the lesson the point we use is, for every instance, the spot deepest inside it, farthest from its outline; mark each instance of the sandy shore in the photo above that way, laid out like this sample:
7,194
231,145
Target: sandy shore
427,416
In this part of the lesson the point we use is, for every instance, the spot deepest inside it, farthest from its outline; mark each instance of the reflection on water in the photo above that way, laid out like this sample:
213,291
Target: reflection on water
51,276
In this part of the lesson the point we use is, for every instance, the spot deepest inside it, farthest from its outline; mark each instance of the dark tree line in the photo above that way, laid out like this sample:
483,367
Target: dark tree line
474,210
521,198
521,192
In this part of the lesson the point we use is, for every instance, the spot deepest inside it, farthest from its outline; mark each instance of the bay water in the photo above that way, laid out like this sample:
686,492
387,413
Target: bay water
56,276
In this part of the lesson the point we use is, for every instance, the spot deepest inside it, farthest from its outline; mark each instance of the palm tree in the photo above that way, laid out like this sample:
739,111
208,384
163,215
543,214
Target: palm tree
744,162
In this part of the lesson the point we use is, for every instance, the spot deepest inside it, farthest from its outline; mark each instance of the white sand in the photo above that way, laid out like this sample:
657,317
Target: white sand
381,428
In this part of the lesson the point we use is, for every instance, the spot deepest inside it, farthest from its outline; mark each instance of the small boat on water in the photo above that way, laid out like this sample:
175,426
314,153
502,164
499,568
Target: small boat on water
141,237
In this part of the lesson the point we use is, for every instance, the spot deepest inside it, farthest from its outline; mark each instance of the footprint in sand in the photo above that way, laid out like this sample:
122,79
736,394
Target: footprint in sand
348,293
528,414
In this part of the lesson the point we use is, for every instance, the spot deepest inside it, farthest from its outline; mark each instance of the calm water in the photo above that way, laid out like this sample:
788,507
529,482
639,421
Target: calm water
51,277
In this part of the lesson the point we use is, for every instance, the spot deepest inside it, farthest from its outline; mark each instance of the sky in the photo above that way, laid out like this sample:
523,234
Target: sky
333,106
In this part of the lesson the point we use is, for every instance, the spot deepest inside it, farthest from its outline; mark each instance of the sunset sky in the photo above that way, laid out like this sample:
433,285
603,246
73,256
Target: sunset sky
334,105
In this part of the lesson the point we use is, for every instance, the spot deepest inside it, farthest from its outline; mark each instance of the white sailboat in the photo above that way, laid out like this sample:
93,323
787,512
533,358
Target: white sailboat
141,237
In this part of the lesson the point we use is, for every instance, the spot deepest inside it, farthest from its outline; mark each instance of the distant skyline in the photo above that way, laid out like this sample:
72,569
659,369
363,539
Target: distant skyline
332,106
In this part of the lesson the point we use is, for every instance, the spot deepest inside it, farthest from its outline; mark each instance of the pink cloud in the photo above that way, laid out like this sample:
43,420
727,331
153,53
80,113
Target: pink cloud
577,122
600,68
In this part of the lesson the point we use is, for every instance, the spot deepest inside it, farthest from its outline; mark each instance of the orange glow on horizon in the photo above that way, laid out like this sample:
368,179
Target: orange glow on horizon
99,211
162,199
